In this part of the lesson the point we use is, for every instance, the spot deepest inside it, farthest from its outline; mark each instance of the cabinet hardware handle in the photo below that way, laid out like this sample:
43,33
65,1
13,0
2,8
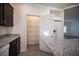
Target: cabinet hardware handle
4,22
1,21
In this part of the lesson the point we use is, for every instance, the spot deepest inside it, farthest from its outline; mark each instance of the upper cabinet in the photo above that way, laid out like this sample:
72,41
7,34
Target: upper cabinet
6,14
1,14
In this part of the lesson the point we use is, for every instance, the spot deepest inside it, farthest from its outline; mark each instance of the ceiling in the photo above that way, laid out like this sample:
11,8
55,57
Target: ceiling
58,5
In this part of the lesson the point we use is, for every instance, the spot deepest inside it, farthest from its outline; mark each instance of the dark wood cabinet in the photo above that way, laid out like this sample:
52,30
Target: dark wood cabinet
14,49
18,45
1,14
6,14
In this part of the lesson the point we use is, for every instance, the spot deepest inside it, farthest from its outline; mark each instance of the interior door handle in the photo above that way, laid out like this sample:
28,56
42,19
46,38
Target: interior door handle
54,31
1,21
4,22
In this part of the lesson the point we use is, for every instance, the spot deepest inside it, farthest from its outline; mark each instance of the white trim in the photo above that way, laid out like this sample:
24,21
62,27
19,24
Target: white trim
71,6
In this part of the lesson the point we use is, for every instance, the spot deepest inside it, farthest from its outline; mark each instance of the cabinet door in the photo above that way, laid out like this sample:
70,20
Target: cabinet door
12,51
8,15
13,48
1,13
18,45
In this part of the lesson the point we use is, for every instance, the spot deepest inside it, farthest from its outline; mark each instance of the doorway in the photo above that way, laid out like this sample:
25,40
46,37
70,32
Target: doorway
33,26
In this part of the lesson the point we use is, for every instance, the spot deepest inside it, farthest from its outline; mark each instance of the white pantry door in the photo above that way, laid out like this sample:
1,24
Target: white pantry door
50,34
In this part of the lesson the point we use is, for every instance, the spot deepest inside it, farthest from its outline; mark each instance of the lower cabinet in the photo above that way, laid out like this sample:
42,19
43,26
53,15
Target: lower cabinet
14,49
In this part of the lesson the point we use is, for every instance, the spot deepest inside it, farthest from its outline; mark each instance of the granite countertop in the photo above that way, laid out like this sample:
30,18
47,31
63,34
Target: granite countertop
6,39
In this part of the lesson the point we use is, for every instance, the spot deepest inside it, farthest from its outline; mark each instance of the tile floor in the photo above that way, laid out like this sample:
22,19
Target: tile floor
33,50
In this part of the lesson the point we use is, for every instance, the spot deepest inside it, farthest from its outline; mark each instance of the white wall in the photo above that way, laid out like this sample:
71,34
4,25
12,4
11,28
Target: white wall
5,30
20,13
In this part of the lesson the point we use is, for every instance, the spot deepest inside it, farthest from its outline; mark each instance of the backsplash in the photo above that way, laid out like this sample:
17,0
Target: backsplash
5,30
